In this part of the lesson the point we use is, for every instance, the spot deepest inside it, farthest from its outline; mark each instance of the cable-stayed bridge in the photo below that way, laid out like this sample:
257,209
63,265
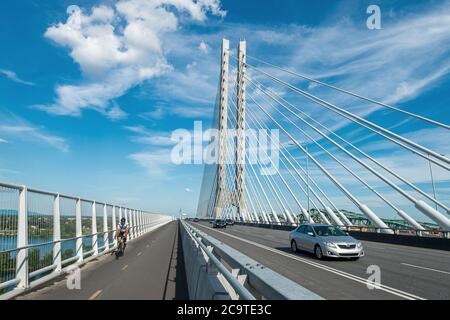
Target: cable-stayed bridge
316,170
288,148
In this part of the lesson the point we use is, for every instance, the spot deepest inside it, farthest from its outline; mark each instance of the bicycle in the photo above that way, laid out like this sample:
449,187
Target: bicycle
120,246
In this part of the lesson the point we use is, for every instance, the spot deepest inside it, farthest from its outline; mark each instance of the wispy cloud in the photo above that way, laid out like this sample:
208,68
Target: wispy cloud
13,77
188,190
3,140
190,112
156,162
116,113
16,128
154,138
373,63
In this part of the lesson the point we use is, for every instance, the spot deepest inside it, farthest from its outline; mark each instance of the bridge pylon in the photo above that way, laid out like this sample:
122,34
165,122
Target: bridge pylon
223,118
240,130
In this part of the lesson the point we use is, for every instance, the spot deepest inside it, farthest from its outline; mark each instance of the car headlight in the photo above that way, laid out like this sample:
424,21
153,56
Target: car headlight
331,245
359,245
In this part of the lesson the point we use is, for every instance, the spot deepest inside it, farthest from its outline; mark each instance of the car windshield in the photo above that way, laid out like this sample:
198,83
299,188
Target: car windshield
328,231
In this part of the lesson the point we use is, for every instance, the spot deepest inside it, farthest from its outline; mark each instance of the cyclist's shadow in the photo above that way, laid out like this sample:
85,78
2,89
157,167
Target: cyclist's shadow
119,251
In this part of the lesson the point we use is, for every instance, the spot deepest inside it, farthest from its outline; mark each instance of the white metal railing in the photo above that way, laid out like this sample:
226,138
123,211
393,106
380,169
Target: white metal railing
32,241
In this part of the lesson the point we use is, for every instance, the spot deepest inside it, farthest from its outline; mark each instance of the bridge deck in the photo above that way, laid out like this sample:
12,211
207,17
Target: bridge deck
401,266
152,268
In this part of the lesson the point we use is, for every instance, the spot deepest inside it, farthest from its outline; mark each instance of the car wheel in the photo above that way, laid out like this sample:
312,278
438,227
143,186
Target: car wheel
294,246
318,252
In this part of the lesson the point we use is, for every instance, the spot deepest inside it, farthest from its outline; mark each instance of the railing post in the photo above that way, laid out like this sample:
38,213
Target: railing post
57,254
133,218
105,227
126,214
138,218
145,223
79,231
22,240
113,226
94,229
130,214
141,223
136,223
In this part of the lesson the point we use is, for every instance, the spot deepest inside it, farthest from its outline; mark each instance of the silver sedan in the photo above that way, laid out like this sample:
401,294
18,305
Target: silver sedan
325,241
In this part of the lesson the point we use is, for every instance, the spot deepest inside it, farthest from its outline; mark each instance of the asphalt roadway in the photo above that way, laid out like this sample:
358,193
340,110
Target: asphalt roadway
152,268
405,272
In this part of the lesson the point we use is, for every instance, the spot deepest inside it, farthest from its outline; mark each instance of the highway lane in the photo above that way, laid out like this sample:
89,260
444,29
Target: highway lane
407,272
151,269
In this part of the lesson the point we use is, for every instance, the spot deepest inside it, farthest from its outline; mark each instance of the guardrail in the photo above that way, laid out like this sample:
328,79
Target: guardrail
44,234
242,277
425,233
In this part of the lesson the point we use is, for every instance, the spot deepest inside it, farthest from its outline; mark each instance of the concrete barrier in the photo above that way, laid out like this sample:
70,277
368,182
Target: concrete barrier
405,240
259,281
438,243
202,278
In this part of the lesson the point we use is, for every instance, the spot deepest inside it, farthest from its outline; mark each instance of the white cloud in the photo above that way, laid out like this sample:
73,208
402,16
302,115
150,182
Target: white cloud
203,47
154,162
17,128
3,140
116,113
156,114
13,76
118,48
183,112
188,190
149,137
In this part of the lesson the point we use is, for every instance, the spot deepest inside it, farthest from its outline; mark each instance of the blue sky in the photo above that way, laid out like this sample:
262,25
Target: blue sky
83,113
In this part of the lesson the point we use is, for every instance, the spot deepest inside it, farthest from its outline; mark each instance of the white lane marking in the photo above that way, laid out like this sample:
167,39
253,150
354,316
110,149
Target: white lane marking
341,273
139,254
373,247
126,266
425,268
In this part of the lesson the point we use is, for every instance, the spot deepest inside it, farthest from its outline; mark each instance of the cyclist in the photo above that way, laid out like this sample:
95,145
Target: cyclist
122,231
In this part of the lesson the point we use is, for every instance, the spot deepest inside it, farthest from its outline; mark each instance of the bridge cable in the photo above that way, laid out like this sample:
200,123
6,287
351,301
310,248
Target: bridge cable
275,97
401,213
270,181
357,119
422,206
382,104
292,166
